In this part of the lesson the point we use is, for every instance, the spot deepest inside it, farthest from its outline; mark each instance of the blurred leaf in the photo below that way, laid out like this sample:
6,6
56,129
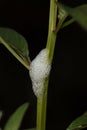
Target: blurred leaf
68,22
1,114
79,123
78,13
15,120
16,44
31,129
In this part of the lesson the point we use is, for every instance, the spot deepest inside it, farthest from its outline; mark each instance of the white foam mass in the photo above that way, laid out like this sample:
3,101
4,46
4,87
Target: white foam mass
39,70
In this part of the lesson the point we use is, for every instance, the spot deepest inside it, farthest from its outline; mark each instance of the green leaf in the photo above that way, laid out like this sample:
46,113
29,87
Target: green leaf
15,39
79,123
78,13
15,120
16,44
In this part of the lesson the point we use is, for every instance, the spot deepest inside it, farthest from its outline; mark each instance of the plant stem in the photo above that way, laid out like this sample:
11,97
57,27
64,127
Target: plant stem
14,53
52,26
52,34
42,100
41,109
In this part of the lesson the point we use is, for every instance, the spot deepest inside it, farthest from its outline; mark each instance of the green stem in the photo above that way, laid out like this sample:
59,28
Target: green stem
41,108
42,100
52,25
14,53
52,34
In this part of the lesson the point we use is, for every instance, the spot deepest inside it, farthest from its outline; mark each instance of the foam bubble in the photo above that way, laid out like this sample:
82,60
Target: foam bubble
39,70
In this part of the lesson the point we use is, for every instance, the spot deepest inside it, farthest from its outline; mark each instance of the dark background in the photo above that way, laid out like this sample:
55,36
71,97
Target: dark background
67,95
